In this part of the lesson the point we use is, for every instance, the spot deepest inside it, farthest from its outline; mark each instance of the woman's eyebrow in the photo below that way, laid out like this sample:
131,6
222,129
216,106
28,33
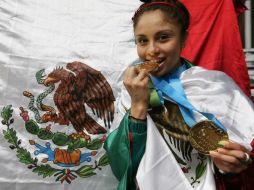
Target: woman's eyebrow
166,31
140,36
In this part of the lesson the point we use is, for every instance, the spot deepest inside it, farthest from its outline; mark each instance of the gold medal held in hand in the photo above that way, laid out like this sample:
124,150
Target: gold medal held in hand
204,136
149,66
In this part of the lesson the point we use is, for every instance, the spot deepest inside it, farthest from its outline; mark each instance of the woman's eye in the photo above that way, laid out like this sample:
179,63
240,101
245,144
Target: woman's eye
164,38
141,41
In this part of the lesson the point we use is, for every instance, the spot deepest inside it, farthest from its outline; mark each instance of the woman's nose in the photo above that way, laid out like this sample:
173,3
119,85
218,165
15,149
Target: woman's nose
153,49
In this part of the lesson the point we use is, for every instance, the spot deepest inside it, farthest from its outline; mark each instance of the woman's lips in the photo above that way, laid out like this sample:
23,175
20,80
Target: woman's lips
160,62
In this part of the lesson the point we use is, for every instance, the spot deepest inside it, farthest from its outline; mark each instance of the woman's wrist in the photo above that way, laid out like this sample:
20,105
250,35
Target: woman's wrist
137,120
227,175
138,112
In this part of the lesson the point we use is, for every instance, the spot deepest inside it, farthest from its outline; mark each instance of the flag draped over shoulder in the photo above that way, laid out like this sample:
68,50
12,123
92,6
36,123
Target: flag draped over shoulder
158,168
60,63
118,150
214,40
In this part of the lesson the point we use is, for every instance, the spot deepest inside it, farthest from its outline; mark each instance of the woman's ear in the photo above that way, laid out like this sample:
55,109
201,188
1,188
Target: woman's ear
184,39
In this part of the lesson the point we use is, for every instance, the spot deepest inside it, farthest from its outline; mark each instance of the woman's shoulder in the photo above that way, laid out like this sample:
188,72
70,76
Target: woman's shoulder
199,73
198,80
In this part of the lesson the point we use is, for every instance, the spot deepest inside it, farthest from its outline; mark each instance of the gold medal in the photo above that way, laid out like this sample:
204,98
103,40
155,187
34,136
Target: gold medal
149,66
205,135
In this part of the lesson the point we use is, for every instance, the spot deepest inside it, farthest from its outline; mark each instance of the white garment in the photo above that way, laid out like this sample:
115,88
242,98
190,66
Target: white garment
208,91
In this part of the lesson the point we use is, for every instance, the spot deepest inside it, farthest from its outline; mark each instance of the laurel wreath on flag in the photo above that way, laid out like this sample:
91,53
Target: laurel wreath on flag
45,170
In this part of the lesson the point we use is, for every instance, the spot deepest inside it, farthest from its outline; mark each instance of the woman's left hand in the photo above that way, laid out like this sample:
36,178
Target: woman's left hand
232,158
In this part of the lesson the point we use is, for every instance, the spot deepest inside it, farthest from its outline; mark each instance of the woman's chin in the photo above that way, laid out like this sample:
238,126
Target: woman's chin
157,73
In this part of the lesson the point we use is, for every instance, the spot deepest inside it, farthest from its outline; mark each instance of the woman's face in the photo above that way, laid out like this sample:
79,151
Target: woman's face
159,39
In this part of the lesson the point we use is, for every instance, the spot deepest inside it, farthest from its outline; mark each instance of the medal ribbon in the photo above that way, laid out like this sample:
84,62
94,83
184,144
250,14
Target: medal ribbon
174,90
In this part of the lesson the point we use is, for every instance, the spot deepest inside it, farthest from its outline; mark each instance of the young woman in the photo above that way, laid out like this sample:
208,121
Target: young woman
165,145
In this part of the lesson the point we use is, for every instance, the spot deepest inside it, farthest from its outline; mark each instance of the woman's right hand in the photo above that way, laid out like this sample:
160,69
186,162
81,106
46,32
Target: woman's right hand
136,83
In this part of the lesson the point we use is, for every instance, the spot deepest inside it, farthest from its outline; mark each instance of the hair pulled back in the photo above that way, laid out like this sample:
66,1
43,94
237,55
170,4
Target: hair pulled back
174,10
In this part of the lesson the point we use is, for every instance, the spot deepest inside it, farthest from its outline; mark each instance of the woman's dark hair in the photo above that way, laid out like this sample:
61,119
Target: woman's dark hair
177,12
146,1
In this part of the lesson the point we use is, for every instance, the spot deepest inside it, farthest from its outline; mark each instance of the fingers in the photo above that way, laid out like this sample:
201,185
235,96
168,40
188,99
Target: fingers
238,154
136,83
228,167
143,75
132,73
231,157
225,156
227,164
235,150
135,79
231,145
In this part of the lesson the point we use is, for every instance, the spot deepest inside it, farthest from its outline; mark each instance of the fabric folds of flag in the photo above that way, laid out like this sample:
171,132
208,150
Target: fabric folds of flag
214,40
117,144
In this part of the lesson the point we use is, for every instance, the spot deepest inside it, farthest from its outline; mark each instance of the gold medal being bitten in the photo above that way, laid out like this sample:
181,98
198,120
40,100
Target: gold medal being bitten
204,136
149,66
